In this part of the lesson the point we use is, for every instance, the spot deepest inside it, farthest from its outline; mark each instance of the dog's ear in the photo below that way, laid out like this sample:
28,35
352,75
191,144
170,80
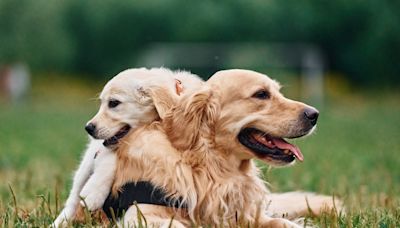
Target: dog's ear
163,100
142,95
193,120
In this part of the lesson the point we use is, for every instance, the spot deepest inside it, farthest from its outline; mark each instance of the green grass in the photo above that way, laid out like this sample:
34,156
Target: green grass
354,155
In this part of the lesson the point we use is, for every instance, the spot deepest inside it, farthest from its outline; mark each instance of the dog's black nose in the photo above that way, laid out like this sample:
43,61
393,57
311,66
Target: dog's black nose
311,114
90,128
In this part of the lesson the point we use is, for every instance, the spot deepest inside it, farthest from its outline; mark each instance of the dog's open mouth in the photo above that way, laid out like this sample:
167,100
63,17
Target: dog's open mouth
267,147
119,135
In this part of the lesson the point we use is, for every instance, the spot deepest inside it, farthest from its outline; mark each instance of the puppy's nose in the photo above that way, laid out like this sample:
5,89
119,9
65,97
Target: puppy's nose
90,128
311,114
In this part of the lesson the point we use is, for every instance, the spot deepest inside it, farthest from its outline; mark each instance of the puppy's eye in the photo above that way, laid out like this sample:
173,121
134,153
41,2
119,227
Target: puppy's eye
113,103
261,94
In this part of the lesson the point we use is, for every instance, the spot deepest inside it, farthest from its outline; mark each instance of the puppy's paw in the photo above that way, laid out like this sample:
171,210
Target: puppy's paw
61,224
92,201
65,216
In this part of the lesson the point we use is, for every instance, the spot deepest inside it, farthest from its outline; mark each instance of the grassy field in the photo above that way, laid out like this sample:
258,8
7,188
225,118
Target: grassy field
353,155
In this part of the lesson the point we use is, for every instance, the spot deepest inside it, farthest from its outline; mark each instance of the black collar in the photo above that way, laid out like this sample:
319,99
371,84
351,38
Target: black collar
140,192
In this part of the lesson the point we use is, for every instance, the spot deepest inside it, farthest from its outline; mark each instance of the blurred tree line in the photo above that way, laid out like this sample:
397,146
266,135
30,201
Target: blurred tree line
360,38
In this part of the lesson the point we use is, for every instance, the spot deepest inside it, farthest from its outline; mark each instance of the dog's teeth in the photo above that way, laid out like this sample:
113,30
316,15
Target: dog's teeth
286,151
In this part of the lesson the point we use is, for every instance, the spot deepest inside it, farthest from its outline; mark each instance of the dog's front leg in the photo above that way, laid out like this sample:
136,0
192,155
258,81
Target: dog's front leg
300,204
81,176
97,188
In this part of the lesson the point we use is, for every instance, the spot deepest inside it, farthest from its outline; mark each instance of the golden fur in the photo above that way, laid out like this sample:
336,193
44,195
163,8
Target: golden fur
194,152
126,104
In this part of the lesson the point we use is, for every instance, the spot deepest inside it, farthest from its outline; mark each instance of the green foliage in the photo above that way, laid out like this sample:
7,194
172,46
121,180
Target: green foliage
359,38
32,31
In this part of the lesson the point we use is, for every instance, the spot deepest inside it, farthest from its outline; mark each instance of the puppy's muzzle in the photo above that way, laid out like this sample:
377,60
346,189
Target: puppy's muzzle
91,129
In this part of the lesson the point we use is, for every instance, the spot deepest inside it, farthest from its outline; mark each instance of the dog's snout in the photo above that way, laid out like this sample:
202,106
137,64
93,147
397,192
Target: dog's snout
311,114
90,128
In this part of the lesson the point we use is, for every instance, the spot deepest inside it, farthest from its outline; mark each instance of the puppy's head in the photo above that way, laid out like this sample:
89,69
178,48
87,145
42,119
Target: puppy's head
132,98
255,118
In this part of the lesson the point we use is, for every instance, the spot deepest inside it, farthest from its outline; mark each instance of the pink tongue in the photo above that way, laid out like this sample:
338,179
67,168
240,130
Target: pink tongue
282,144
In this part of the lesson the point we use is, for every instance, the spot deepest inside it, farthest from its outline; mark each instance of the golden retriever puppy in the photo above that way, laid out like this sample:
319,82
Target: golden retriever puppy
126,104
202,152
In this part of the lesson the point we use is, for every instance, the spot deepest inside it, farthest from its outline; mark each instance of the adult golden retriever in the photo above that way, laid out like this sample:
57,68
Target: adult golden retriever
202,152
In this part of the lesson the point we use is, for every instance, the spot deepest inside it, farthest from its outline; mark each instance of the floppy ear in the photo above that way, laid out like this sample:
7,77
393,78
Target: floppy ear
163,100
192,121
142,96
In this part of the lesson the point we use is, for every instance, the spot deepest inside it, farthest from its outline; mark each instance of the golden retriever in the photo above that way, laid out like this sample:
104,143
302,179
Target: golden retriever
126,104
202,152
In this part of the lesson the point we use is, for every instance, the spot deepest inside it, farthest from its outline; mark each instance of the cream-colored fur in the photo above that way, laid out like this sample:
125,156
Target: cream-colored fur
294,205
133,89
194,152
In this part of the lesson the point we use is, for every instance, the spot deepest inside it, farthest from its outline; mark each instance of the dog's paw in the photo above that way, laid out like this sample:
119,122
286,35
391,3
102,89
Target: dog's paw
59,224
62,219
92,201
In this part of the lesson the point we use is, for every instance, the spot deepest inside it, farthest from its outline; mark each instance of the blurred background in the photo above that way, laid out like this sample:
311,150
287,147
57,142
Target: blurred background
339,56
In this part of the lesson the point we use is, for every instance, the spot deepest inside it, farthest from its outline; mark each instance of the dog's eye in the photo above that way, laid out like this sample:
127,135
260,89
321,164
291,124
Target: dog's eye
261,94
113,103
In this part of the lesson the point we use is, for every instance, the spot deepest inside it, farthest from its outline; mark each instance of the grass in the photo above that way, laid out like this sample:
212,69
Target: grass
354,155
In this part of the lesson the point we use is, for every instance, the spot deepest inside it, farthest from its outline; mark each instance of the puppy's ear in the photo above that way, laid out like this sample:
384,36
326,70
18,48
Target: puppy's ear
142,95
163,100
192,121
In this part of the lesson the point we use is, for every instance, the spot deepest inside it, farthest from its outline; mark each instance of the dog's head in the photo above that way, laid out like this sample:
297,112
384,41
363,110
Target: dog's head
129,101
249,117
255,118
